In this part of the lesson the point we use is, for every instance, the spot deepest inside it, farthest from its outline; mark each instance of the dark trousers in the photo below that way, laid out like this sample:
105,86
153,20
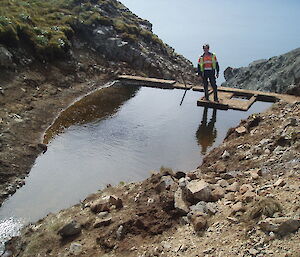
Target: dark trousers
210,75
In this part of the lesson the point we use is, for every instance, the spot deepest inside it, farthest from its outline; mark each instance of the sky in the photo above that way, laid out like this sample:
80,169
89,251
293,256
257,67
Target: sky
238,31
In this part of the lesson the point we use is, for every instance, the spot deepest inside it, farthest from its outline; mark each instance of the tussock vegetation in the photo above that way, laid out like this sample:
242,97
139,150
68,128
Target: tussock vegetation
49,25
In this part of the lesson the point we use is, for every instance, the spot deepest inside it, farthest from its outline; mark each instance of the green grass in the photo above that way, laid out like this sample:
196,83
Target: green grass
48,25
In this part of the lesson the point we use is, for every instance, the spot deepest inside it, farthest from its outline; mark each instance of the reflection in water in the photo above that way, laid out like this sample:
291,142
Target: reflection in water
207,133
100,104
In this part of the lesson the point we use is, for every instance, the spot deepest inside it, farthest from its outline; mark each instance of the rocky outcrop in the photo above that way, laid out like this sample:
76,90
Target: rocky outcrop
280,74
110,32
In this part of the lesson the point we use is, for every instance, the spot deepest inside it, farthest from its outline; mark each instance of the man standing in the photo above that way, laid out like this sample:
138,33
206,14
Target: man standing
207,68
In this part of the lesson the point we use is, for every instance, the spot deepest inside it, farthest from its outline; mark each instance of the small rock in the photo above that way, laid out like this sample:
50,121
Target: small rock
120,232
209,251
166,245
245,187
279,183
199,208
241,130
248,196
42,147
233,187
233,220
272,235
220,167
179,202
116,201
184,220
100,222
100,206
182,248
179,174
211,208
218,193
70,229
230,196
255,173
102,214
223,183
75,249
281,226
231,174
192,175
253,252
199,222
165,183
237,207
150,200
225,155
289,226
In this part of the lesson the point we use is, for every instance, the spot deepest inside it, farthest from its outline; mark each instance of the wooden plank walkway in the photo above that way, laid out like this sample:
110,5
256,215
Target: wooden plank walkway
229,98
150,82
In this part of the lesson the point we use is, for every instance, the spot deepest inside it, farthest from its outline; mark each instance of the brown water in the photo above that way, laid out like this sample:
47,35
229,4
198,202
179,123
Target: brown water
113,135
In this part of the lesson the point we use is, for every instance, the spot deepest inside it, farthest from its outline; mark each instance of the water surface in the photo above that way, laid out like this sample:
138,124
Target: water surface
113,135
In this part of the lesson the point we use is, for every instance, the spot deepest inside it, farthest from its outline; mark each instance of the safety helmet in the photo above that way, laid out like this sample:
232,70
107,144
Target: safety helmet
206,46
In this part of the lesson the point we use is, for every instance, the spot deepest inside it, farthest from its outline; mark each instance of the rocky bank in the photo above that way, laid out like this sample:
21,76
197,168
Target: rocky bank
242,201
44,69
279,74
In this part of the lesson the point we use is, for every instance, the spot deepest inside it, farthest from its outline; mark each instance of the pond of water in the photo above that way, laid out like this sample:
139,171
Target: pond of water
116,134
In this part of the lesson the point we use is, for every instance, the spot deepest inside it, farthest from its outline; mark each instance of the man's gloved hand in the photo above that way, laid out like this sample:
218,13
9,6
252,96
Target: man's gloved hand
217,75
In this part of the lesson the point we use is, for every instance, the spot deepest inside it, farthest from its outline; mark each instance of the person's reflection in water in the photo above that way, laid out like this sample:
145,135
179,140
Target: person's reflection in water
207,133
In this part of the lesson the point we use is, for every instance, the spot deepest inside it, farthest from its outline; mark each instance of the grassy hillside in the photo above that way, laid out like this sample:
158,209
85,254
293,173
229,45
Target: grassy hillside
49,25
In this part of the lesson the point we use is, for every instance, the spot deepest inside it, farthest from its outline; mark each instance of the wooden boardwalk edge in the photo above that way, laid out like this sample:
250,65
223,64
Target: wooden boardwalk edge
252,95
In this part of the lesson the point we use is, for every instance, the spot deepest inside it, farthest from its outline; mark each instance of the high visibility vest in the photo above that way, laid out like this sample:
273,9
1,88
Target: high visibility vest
208,62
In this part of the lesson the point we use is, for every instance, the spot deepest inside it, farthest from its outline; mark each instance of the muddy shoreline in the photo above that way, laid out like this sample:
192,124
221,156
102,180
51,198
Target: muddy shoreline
30,103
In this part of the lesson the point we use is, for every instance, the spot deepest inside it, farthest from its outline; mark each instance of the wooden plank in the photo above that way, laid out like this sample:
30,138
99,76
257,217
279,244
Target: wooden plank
147,84
210,104
240,105
251,101
261,96
170,84
225,95
226,102
143,79
198,88
182,86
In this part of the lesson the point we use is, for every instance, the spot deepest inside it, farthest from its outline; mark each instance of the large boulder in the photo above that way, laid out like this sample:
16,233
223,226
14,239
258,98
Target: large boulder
70,229
198,190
